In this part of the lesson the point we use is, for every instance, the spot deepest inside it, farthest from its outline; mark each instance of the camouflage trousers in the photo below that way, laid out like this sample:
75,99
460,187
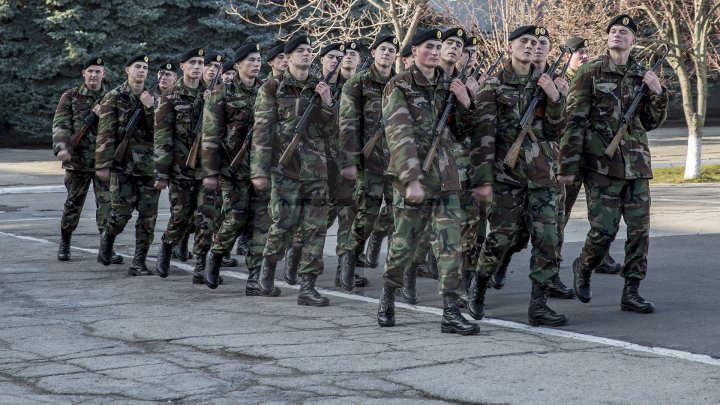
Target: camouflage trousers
512,209
570,193
77,184
131,193
207,218
341,206
183,202
260,222
442,211
298,208
608,201
372,217
236,209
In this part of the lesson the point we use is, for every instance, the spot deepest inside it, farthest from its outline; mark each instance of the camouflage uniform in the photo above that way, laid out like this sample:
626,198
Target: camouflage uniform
616,187
529,190
298,197
80,169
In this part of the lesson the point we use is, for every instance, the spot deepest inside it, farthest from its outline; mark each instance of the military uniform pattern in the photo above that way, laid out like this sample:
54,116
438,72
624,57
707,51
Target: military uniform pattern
133,193
372,217
208,214
77,184
260,223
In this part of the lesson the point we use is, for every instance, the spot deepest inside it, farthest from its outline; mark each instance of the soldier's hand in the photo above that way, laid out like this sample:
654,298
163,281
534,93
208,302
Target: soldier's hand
206,94
161,184
652,81
96,109
548,86
260,183
483,78
415,192
147,99
211,182
562,85
461,93
349,172
566,179
103,174
472,85
323,90
482,193
64,155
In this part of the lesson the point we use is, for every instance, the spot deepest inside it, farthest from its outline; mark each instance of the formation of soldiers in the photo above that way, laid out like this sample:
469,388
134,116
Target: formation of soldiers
426,157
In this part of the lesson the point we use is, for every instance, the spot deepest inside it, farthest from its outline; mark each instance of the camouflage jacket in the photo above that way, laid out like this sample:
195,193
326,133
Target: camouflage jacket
411,107
69,118
360,119
280,103
501,104
331,144
176,115
598,97
116,108
461,149
228,117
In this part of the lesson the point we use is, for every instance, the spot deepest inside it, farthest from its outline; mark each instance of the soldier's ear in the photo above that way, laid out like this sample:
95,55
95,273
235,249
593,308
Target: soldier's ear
372,53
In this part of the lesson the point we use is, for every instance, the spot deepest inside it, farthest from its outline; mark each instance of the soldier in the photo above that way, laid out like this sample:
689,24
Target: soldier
79,161
131,180
176,118
228,120
228,73
166,76
360,120
412,103
277,60
571,191
299,189
617,184
408,59
526,189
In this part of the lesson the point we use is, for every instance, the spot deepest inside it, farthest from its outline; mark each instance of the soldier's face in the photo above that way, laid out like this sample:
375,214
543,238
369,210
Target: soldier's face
211,70
300,57
193,67
523,48
542,50
166,78
451,50
330,59
408,61
384,54
279,63
249,68
137,72
471,53
229,75
579,58
93,76
351,59
620,38
427,54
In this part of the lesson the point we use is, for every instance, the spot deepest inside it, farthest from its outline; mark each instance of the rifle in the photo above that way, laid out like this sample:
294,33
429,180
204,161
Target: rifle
524,127
191,161
370,145
300,126
442,123
365,64
243,150
90,120
476,70
495,65
628,116
131,126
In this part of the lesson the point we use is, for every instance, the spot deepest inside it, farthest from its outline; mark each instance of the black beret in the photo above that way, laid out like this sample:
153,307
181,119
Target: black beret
170,65
295,42
275,51
624,20
136,58
192,53
577,43
331,47
352,46
431,34
454,32
525,29
93,61
542,32
385,37
213,57
471,41
406,51
227,66
246,50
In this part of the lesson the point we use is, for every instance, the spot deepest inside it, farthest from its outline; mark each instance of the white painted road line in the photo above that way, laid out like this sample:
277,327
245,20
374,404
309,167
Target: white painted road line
32,190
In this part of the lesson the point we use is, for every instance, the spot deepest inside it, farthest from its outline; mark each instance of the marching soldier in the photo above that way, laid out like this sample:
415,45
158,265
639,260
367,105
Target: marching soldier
166,76
412,103
298,188
408,59
79,160
228,73
617,182
360,120
277,60
131,174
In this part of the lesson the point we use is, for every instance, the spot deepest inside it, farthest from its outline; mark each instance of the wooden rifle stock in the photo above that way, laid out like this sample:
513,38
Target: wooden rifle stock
243,150
131,126
195,148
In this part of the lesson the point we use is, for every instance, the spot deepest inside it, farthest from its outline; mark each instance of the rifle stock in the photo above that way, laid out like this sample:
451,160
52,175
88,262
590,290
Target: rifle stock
90,120
370,145
131,126
191,161
243,151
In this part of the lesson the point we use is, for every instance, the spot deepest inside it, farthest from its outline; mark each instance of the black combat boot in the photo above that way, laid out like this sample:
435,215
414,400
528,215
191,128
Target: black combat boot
228,261
361,281
162,266
422,269
631,299
180,251
252,289
64,247
360,259
559,290
346,271
138,266
409,290
498,278
292,262
116,258
466,280
308,295
386,307
430,269
538,311
581,282
476,297
266,280
608,266
212,271
243,245
106,247
453,321
372,253
198,276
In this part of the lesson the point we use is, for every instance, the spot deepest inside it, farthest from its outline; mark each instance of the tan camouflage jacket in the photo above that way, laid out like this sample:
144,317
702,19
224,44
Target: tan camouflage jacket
69,118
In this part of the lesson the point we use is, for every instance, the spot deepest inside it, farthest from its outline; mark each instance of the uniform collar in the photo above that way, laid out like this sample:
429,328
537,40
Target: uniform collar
420,78
510,77
633,68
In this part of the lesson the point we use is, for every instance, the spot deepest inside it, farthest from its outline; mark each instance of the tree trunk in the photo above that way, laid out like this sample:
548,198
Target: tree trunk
692,162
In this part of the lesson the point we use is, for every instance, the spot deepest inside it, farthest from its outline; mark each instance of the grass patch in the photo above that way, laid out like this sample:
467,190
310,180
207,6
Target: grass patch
708,174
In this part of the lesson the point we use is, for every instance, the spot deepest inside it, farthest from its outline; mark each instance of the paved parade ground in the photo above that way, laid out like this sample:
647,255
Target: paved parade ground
79,332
